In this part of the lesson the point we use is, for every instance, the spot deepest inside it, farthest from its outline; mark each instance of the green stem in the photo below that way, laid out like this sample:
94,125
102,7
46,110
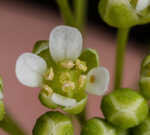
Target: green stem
66,12
80,13
10,126
122,38
81,117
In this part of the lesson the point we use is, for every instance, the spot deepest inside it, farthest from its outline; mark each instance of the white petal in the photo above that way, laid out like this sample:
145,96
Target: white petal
98,80
142,4
63,101
30,69
65,43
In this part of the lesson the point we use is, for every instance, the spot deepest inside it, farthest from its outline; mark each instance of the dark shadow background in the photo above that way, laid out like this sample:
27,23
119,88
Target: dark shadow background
139,33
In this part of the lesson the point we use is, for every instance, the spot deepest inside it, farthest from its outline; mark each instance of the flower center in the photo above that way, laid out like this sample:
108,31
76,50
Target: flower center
68,78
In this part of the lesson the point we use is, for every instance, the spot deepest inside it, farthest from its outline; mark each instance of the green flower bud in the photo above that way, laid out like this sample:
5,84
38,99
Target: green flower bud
124,108
97,126
53,123
142,129
144,82
124,13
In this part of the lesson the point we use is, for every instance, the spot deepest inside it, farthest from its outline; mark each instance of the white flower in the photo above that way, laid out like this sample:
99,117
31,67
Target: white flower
65,43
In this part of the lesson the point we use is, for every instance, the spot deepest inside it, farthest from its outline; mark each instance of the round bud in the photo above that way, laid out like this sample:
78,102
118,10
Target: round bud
145,87
124,108
142,129
144,82
53,123
97,126
124,13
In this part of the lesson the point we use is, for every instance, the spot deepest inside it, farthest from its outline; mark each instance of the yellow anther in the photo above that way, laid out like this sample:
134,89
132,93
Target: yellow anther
92,79
82,80
68,86
81,65
67,64
49,75
64,77
48,90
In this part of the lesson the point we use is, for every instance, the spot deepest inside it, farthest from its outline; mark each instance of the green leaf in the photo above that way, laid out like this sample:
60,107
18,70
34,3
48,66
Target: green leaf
41,48
91,58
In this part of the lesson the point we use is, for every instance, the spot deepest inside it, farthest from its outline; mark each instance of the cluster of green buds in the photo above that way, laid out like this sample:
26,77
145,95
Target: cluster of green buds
144,82
125,13
2,109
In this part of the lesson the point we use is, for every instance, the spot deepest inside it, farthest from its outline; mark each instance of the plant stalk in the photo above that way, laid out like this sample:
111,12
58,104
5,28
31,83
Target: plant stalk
66,12
80,7
122,37
81,117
